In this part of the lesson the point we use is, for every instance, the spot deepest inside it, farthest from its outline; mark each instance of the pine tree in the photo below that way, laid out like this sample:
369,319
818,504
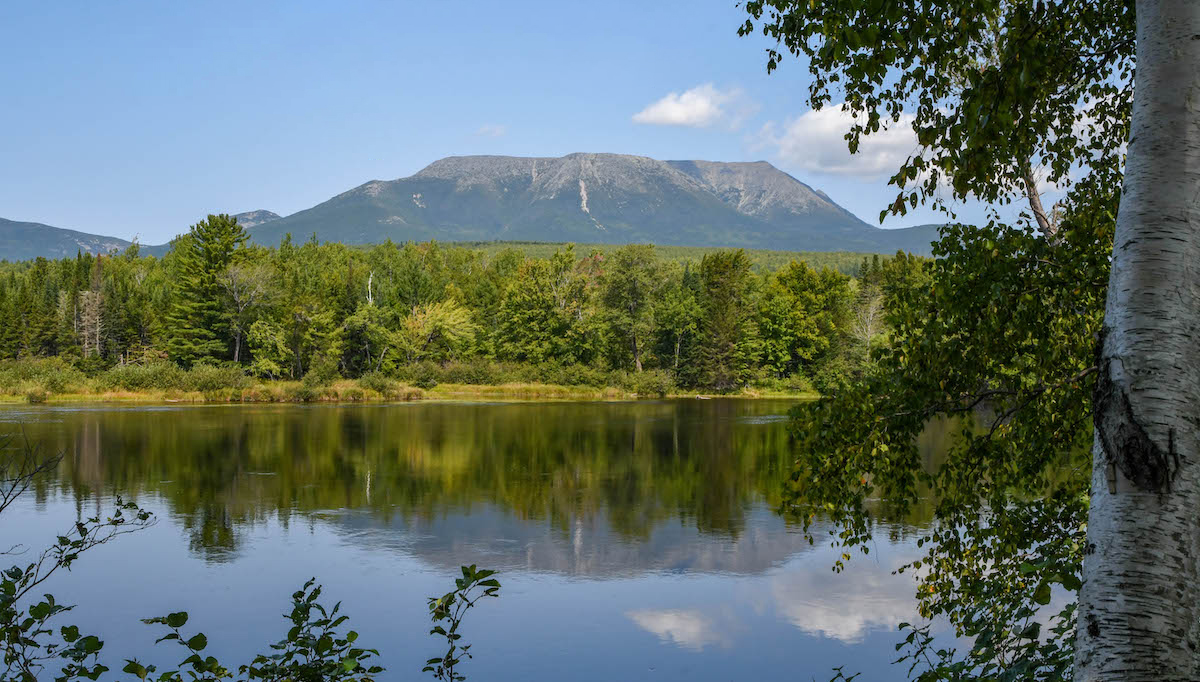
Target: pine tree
198,321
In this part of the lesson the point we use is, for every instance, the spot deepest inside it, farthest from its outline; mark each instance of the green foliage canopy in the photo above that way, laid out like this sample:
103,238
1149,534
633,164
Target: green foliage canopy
1002,334
990,87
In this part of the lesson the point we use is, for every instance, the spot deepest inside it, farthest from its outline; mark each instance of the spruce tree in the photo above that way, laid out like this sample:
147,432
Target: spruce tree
728,346
9,317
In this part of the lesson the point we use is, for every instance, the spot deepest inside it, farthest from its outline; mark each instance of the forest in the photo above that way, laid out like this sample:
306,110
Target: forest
216,312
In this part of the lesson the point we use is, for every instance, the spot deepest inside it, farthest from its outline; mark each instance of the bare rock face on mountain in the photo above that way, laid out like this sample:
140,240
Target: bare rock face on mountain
593,198
251,219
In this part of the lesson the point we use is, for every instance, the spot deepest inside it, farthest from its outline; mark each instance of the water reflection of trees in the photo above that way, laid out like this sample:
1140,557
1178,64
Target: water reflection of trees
704,464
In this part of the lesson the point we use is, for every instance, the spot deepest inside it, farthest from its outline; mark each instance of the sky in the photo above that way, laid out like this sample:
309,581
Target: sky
136,119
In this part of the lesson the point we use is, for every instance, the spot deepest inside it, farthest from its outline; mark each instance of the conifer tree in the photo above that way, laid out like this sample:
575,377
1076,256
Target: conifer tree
8,317
198,321
728,345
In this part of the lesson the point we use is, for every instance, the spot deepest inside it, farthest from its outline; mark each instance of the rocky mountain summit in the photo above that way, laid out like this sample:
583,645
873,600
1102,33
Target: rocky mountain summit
255,218
594,198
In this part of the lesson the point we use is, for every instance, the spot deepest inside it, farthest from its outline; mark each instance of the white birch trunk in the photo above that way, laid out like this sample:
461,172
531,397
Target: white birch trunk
1139,607
1048,228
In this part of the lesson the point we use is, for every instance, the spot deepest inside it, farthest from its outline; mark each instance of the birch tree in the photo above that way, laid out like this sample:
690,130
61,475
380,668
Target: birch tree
247,286
992,89
1140,601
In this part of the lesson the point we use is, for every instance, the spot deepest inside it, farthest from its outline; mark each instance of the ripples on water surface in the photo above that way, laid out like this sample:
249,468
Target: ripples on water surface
635,540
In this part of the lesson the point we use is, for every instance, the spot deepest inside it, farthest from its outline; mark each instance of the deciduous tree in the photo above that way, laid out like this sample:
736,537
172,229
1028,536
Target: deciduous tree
992,90
629,288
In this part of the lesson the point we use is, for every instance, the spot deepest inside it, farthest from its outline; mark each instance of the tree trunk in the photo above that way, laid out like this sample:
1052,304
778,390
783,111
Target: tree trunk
1139,607
637,355
1035,204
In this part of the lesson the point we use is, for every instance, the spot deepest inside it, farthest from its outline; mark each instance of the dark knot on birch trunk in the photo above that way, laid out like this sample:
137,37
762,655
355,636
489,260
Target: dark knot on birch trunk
1125,442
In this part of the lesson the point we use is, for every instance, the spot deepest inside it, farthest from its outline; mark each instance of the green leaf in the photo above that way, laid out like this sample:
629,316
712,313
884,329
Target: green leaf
198,642
1042,594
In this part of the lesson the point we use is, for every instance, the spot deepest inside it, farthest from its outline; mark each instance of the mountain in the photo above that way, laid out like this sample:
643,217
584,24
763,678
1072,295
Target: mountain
22,241
584,198
594,198
251,219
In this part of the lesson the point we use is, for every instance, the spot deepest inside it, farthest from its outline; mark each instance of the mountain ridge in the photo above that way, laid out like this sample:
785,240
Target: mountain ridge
581,197
594,197
23,240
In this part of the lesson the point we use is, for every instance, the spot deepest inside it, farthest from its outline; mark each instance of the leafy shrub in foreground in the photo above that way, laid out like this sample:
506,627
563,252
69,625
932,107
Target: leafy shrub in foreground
797,383
651,383
480,372
424,374
380,383
160,375
324,371
574,375
53,375
207,378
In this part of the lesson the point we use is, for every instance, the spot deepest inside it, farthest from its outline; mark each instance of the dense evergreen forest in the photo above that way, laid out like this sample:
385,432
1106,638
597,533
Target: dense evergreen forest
426,313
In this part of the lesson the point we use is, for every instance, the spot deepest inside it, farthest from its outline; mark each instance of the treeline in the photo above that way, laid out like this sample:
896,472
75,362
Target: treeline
845,262
419,312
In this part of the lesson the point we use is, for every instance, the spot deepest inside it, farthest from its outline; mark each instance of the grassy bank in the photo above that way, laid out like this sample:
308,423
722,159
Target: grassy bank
350,391
52,380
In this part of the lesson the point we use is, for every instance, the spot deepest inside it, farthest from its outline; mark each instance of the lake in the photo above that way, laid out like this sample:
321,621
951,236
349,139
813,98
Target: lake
634,540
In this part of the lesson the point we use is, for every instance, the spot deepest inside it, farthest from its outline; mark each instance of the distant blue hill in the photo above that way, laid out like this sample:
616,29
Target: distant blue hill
25,241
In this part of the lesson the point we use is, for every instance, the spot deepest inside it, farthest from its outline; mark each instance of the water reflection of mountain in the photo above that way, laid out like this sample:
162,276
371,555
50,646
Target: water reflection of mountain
588,548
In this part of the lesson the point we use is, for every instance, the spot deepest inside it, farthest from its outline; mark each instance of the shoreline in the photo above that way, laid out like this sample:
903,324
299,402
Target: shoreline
350,391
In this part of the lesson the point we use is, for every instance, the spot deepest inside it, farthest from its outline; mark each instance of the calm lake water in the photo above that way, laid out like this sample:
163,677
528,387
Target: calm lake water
635,540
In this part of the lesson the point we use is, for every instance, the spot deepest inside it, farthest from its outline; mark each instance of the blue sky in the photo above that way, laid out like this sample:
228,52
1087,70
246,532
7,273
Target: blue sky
139,118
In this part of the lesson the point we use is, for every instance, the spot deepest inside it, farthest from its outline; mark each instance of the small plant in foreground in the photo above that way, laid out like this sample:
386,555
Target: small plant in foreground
314,650
451,608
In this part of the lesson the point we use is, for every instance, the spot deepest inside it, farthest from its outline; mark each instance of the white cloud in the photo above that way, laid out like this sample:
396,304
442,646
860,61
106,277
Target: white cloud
815,141
689,629
700,107
846,606
492,130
